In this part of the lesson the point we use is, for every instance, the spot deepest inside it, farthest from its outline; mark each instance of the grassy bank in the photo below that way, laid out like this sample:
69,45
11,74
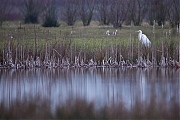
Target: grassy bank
85,43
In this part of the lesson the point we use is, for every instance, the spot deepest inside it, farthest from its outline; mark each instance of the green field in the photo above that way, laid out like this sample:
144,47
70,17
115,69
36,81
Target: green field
87,42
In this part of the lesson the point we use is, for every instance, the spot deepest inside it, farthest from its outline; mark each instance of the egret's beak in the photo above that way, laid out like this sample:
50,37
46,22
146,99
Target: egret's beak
136,31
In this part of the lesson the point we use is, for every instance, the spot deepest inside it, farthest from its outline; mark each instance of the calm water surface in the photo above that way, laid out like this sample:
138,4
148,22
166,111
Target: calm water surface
103,86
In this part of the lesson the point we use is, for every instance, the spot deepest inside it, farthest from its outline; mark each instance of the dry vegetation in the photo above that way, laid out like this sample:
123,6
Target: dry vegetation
27,46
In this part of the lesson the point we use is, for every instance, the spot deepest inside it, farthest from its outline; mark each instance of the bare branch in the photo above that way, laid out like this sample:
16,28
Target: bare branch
5,8
86,9
31,11
69,11
118,12
103,9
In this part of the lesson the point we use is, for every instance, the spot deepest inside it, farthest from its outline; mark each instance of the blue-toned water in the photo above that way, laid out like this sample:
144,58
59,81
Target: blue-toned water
103,86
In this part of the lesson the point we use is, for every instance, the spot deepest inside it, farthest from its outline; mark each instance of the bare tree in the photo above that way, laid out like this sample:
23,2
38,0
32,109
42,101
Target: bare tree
50,15
5,8
174,12
69,11
118,12
157,11
86,9
137,10
103,9
31,11
151,12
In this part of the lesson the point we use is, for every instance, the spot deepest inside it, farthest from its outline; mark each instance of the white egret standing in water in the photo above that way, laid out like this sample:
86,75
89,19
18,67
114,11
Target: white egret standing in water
144,39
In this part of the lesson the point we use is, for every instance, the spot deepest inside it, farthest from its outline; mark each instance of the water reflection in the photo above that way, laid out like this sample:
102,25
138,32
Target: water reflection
103,86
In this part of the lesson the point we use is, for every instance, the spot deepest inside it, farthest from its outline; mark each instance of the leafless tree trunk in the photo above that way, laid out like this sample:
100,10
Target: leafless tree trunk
137,10
174,12
103,9
69,11
118,12
5,8
157,11
31,10
50,15
86,9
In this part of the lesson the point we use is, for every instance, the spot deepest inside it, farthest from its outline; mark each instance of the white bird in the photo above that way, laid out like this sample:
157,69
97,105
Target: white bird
11,37
144,39
115,33
108,32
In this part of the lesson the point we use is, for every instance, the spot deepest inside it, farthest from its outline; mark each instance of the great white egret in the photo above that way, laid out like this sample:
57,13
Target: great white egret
144,39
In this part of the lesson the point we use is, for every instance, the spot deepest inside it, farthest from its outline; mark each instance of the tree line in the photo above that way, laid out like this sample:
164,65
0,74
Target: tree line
115,12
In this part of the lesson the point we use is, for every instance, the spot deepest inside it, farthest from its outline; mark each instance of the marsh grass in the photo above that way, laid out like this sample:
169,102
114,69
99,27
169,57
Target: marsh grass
87,42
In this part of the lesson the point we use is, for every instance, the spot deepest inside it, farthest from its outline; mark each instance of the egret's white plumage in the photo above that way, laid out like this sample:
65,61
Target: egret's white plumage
11,37
108,32
144,39
115,33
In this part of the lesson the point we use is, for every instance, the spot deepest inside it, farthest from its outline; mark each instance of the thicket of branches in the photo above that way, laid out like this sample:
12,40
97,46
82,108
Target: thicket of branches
114,12
5,8
69,12
50,15
103,12
31,10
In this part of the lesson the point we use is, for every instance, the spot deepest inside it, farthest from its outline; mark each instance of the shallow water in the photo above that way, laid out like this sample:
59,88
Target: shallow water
103,86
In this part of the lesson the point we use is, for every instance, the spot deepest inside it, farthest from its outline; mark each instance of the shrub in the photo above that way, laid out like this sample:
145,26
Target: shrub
31,11
50,15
